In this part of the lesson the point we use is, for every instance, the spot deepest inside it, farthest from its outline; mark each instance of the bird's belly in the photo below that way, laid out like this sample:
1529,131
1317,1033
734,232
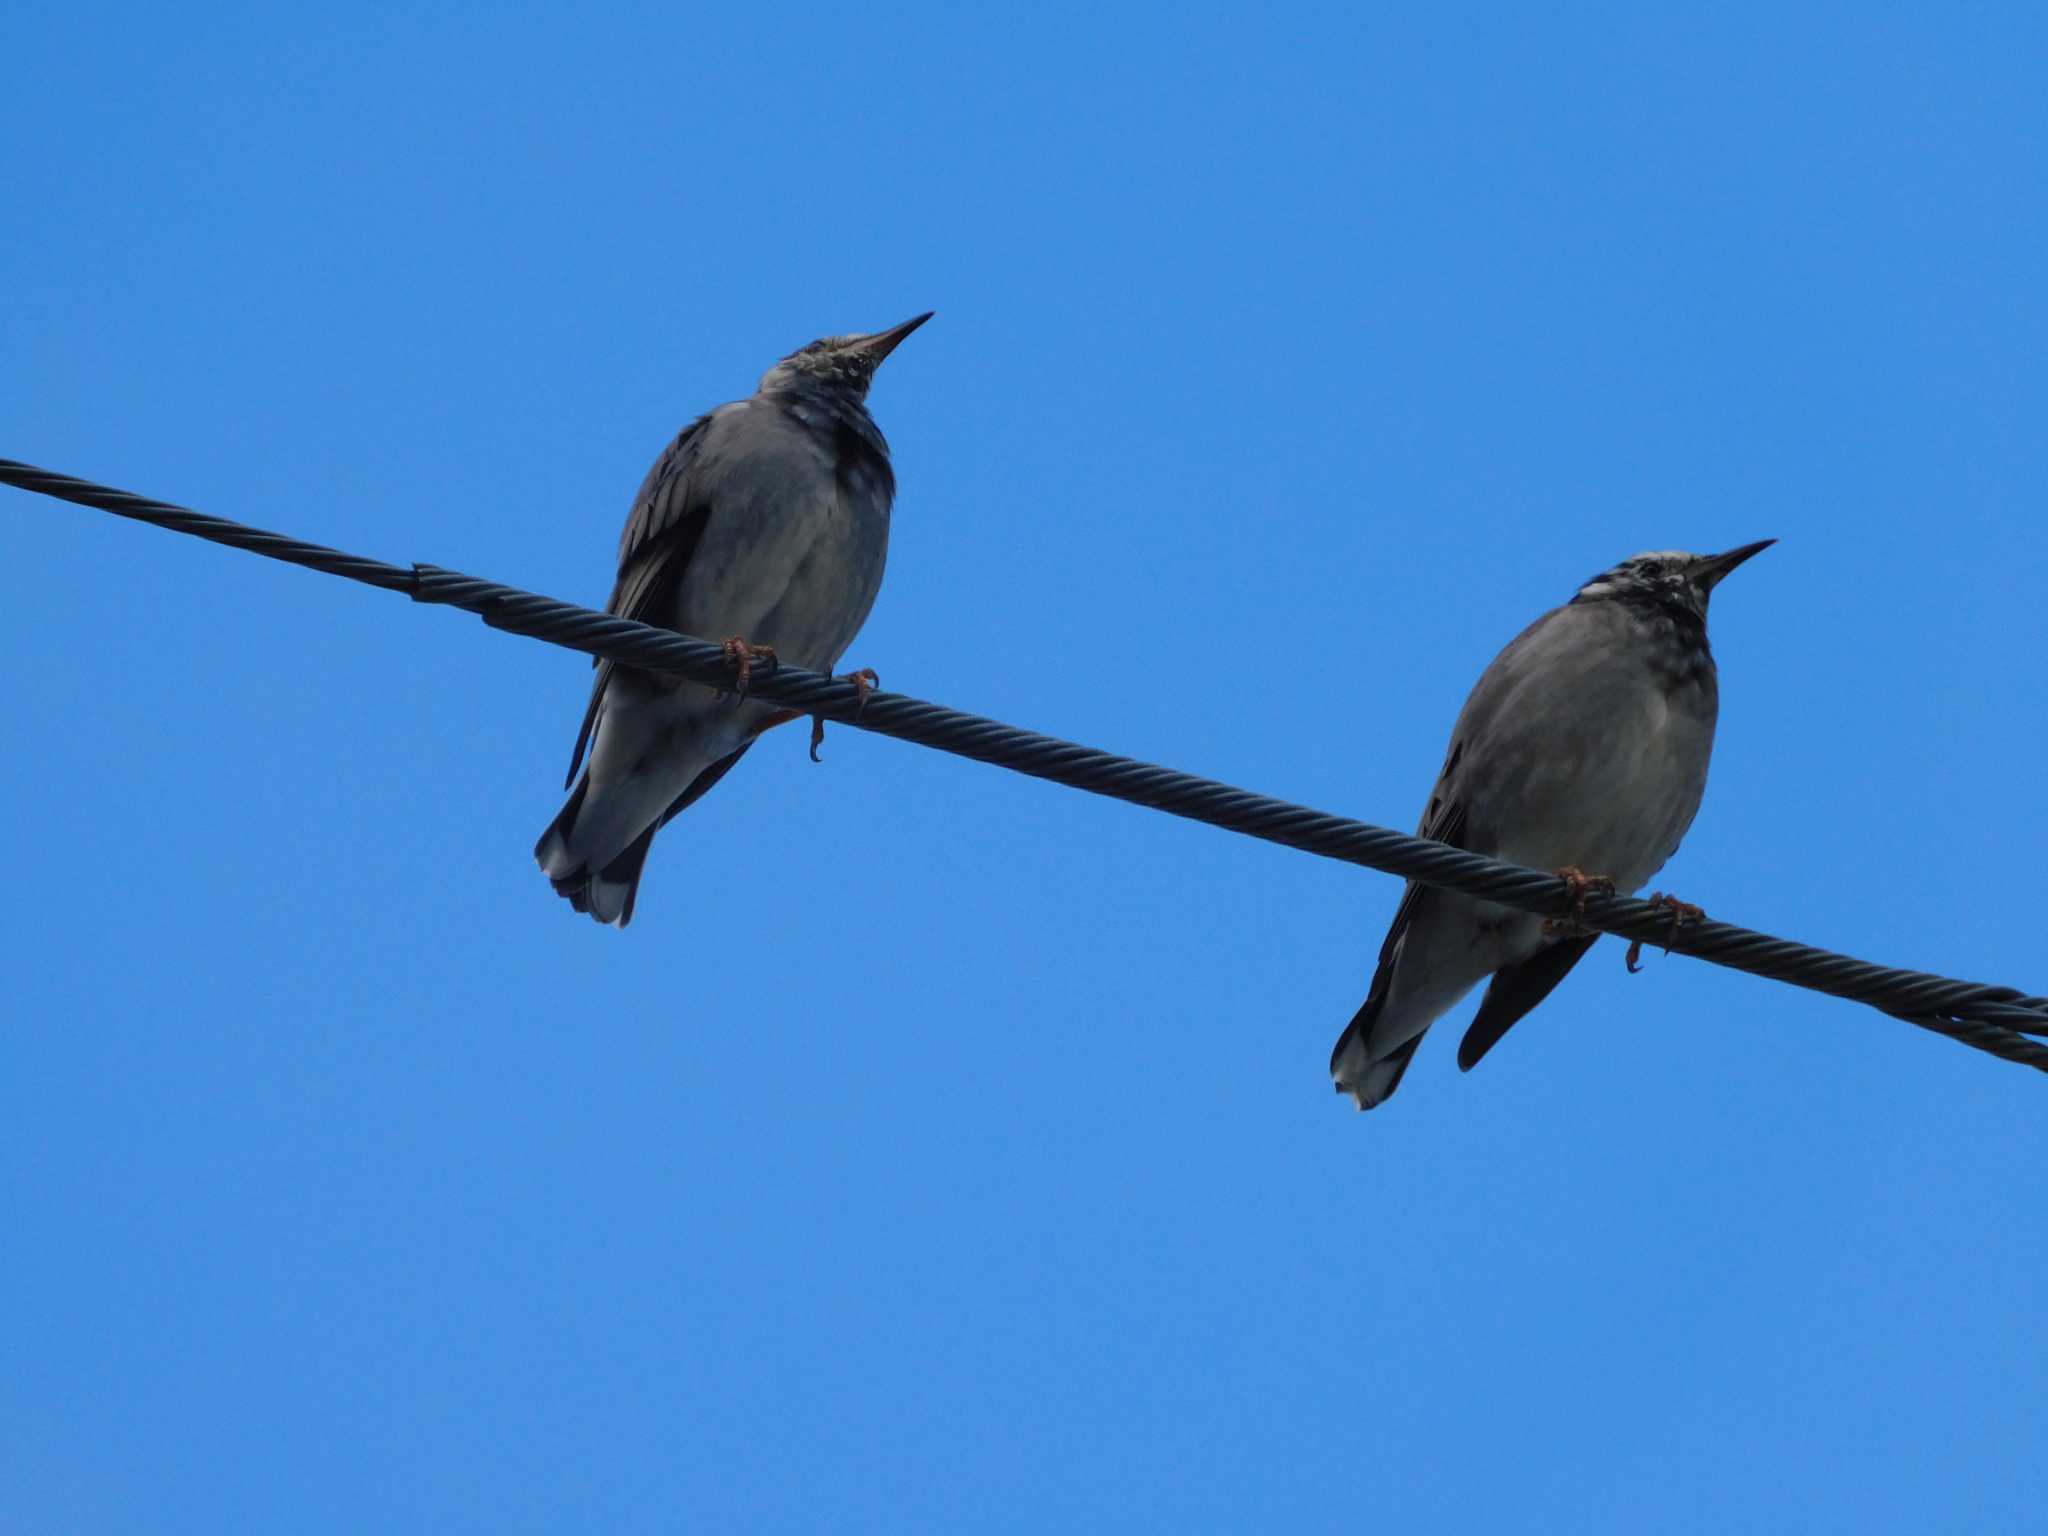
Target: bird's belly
801,582
1615,807
823,604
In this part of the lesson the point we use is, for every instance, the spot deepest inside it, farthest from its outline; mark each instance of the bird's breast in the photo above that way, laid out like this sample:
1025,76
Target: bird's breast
792,554
1613,794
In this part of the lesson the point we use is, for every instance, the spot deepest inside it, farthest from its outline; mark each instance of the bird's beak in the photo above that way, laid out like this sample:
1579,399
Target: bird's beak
1708,573
882,343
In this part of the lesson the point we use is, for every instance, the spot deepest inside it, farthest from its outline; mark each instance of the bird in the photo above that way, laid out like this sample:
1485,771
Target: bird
766,521
1583,747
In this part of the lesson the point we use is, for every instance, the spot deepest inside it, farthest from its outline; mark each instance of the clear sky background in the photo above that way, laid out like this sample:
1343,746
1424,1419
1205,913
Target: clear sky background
941,1149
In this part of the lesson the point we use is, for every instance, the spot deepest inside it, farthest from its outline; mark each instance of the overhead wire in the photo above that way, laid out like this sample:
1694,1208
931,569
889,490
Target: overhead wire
1994,1019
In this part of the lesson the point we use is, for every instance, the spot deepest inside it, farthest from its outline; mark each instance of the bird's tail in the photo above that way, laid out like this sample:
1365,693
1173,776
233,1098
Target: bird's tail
607,894
1368,1079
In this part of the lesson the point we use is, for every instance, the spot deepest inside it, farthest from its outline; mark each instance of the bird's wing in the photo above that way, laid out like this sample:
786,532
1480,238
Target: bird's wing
662,533
667,513
1444,822
1516,989
625,869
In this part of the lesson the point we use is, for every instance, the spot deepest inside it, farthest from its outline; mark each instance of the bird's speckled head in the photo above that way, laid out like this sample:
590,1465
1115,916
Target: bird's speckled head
1664,593
843,365
1668,579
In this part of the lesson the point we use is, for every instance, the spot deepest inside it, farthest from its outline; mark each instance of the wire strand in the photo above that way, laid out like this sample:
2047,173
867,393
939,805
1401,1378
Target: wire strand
1992,1019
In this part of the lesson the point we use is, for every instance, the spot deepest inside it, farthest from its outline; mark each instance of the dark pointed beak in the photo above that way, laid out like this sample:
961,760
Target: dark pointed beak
882,343
1708,573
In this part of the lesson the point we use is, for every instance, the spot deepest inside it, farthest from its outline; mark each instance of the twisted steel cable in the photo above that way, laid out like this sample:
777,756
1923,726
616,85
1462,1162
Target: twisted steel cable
1992,1019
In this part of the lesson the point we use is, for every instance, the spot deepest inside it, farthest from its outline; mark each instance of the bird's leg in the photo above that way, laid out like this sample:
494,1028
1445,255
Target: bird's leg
1682,912
1578,885
740,656
866,681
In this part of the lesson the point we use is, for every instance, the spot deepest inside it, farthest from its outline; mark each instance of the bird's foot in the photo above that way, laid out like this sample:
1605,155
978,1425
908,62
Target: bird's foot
1578,885
740,657
1682,912
864,679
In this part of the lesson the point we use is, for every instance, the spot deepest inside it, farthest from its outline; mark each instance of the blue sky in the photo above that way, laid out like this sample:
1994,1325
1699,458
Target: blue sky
942,1149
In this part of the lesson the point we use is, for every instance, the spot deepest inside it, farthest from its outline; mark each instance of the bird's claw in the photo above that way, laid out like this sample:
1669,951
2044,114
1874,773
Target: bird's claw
1682,912
1578,885
865,681
740,657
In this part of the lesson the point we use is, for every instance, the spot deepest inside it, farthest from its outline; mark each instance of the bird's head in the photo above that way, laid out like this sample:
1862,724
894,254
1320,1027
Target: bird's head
1668,578
842,364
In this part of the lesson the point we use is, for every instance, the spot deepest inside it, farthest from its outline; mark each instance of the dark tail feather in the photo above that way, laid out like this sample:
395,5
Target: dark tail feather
1360,1076
1357,1029
608,895
1367,1080
552,851
1514,990
617,886
622,872
1395,1067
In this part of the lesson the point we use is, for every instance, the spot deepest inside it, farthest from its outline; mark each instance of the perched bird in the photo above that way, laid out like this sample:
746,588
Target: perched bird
1583,747
767,519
